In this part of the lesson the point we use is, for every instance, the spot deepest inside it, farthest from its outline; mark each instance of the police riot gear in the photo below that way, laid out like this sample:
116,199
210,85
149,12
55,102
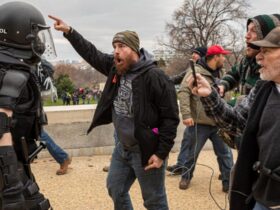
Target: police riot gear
17,184
24,38
6,124
23,28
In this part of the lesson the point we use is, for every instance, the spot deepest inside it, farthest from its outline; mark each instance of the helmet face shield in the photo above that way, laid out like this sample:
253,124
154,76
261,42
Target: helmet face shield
43,45
24,32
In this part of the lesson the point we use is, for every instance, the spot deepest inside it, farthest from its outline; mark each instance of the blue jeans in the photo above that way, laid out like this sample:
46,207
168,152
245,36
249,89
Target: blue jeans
56,152
125,168
197,140
184,149
259,206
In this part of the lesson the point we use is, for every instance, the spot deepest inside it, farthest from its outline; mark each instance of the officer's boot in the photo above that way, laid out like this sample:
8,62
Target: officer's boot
34,200
10,184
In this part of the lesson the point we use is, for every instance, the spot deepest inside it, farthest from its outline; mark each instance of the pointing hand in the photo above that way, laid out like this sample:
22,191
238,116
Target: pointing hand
60,25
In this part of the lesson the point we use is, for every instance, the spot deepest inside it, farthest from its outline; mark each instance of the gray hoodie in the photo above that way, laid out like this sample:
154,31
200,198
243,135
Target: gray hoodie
123,116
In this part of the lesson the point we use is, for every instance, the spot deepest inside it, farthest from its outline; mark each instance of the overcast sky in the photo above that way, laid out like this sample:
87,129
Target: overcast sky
99,20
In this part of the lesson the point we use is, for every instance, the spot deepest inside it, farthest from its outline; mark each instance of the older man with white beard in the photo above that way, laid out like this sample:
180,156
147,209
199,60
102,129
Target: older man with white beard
256,182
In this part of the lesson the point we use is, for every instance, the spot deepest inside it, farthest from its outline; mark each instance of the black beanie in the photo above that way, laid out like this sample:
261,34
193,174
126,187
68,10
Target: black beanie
201,51
264,24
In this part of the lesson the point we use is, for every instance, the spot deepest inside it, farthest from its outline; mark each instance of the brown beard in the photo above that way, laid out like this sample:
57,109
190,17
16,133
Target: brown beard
122,70
220,66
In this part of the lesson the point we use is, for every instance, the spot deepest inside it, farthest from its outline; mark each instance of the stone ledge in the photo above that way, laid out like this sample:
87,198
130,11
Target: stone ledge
89,151
68,125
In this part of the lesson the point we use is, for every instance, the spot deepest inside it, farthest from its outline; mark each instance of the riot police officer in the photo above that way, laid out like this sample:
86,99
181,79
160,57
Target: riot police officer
24,39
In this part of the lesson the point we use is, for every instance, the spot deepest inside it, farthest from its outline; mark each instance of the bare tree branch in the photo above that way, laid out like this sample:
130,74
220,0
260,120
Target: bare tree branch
207,22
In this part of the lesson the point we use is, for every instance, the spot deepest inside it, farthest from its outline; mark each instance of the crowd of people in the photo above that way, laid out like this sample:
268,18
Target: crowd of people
141,102
81,96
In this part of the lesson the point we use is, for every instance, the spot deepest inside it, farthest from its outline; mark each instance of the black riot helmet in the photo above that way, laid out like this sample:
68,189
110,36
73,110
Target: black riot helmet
24,33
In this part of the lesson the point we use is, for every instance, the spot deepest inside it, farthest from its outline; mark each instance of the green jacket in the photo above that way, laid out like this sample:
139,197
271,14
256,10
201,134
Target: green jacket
190,105
245,75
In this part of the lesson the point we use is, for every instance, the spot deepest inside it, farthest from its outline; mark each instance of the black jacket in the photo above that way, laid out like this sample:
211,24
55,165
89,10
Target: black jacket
249,185
154,100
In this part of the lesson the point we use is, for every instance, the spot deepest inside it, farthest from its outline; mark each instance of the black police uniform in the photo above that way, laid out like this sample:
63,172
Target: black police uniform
20,93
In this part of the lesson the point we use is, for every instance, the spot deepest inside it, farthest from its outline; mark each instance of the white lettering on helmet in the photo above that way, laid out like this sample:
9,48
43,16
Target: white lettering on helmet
3,31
